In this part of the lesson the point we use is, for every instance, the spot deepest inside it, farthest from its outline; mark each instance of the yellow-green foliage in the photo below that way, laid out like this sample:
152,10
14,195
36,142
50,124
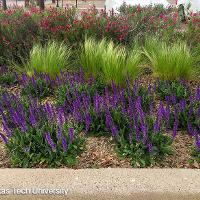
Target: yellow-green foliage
169,62
49,59
110,61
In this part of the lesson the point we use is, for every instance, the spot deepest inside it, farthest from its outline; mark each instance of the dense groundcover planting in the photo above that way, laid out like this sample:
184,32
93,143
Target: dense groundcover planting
80,75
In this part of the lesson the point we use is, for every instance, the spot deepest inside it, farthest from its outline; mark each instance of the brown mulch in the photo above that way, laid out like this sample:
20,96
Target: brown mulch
16,89
181,153
100,153
4,157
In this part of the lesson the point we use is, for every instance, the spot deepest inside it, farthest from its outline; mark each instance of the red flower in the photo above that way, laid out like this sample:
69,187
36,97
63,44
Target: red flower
67,26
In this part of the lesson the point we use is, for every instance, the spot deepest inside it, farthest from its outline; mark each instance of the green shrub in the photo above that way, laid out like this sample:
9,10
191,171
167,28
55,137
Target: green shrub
169,62
49,59
36,151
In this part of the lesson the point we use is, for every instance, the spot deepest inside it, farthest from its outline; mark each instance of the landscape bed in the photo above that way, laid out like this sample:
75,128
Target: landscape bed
94,90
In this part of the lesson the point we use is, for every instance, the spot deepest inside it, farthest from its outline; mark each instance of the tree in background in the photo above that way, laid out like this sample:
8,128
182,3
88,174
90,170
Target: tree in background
26,3
41,4
4,4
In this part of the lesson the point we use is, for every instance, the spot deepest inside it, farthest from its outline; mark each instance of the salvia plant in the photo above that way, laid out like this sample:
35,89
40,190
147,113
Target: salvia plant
173,91
40,134
8,79
38,85
142,130
120,113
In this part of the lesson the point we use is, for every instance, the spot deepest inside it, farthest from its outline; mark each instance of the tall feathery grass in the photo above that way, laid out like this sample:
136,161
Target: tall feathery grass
110,61
133,63
114,63
169,62
91,56
50,59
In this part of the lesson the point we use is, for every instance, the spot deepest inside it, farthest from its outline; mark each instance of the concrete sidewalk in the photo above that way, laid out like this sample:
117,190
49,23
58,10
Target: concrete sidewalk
102,184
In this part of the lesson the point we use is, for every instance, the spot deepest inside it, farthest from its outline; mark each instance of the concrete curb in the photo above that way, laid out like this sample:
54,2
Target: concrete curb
101,184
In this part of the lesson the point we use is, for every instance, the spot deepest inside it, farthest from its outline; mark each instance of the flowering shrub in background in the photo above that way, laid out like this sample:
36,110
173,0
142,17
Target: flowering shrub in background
18,32
193,32
20,29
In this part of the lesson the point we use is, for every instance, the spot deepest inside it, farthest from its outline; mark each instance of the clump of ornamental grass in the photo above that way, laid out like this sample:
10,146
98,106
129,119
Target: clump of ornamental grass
118,64
133,63
113,62
169,61
91,56
39,135
50,58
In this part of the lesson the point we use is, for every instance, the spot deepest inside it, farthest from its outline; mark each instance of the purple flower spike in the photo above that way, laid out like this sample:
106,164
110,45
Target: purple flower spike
60,116
191,111
32,116
88,121
197,142
6,129
49,110
24,78
114,131
150,147
182,104
175,129
190,129
5,140
64,144
109,120
50,141
197,96
59,133
33,81
71,134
